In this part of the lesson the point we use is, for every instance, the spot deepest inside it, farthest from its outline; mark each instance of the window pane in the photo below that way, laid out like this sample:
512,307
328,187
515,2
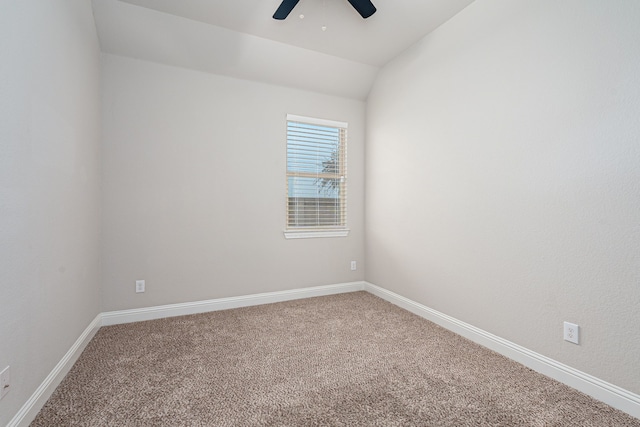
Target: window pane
316,176
314,187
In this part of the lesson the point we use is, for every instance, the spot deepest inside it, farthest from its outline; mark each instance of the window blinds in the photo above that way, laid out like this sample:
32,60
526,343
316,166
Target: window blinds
316,174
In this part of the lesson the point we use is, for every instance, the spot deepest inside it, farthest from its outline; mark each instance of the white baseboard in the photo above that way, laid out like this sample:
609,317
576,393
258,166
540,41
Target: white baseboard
159,312
30,409
601,390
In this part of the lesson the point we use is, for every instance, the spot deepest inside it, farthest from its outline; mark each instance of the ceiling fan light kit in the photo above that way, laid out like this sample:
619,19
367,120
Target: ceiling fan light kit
364,7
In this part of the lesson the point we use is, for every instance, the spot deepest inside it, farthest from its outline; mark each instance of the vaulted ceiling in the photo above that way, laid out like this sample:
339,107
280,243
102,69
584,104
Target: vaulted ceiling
240,39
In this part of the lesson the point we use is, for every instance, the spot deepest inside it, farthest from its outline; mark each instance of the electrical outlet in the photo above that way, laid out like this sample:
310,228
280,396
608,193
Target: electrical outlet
139,286
5,382
572,332
353,266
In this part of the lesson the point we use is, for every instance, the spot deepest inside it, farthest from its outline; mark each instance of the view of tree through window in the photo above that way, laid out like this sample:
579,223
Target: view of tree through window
316,176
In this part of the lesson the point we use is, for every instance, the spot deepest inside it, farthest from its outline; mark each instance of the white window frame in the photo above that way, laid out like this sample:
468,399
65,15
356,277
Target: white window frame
319,232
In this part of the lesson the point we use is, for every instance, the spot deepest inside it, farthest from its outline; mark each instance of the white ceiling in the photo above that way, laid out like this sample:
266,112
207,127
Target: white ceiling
239,38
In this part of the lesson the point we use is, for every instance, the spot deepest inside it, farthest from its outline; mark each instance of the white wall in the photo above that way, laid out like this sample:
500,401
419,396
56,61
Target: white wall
49,187
503,177
194,187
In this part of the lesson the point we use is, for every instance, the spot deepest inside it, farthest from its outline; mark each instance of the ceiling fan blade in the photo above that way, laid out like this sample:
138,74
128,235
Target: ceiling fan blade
285,9
364,7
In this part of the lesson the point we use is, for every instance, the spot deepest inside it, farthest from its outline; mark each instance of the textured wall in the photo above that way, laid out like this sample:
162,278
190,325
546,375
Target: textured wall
189,159
503,177
49,187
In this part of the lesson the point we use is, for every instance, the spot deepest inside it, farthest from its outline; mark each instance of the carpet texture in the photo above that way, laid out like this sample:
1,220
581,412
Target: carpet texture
341,360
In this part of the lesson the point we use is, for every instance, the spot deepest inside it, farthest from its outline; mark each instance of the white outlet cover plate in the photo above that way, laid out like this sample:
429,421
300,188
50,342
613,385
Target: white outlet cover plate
572,332
139,286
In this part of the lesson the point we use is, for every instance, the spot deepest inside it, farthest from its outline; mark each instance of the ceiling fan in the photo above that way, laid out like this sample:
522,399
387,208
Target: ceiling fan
364,7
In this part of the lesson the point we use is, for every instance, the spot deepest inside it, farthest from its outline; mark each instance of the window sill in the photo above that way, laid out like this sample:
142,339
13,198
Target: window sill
315,234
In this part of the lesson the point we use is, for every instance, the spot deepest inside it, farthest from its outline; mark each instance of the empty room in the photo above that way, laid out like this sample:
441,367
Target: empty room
319,212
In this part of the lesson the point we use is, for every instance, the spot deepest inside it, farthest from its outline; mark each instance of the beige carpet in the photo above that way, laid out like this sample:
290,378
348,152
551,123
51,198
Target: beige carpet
342,360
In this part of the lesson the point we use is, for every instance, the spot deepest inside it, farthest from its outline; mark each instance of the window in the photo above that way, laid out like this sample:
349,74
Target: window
316,178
